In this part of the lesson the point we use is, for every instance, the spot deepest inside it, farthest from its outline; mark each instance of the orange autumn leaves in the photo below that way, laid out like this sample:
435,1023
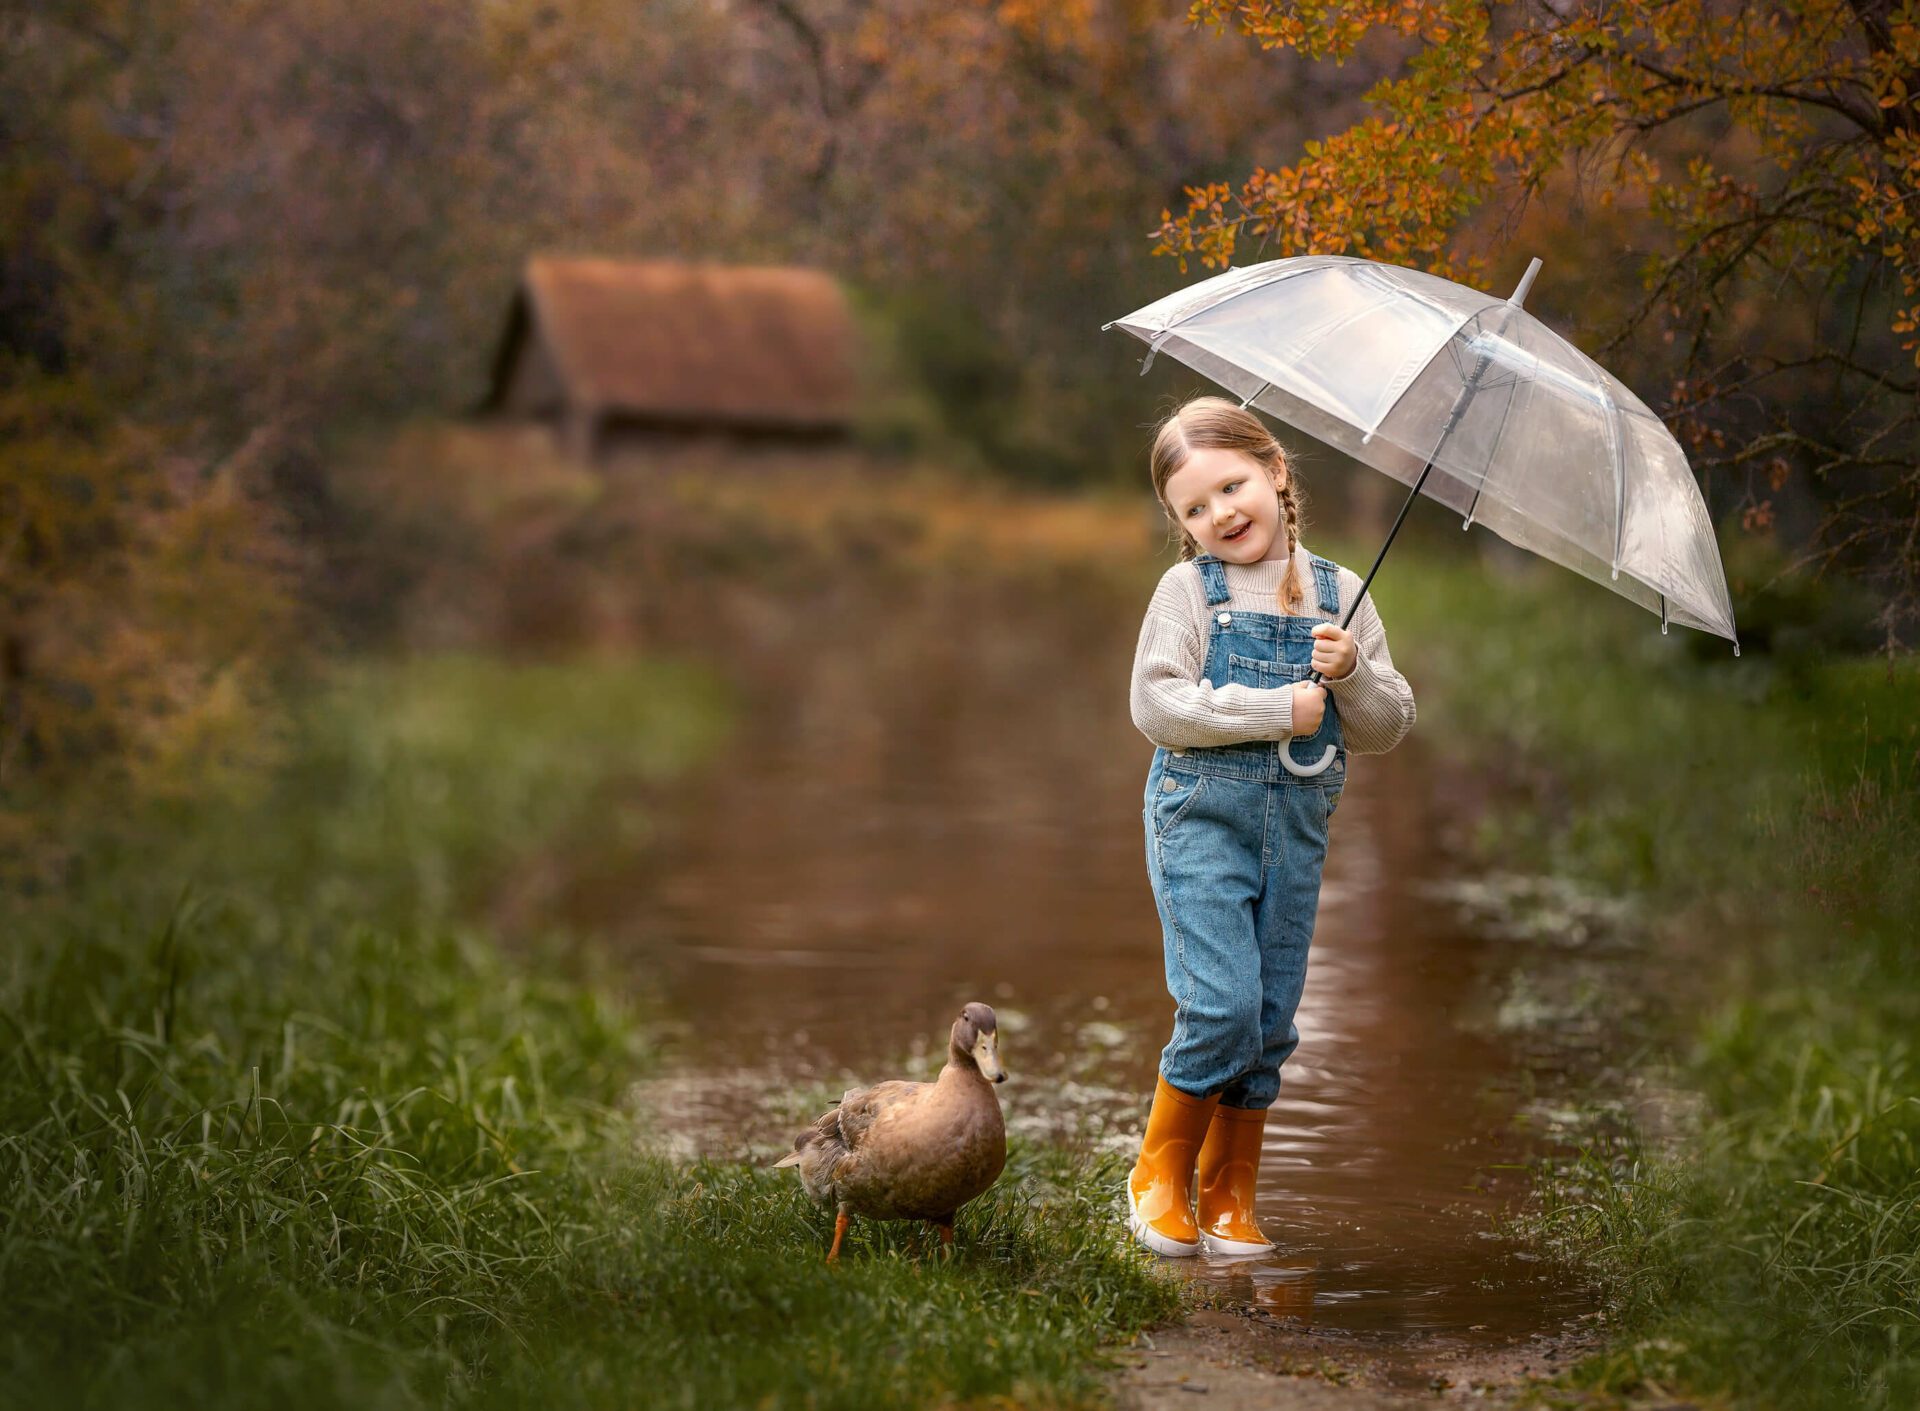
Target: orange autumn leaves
1817,163
1758,163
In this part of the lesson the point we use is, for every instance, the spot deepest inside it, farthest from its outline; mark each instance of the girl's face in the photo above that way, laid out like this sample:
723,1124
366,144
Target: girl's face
1230,504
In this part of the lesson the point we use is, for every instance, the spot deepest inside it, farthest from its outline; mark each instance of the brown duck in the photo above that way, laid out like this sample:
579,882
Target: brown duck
912,1151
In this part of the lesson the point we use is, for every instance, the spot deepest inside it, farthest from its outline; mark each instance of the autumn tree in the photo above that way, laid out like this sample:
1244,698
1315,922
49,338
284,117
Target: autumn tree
143,586
1762,159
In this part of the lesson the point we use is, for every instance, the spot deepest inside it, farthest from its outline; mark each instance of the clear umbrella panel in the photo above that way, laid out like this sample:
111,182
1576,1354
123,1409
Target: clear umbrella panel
1526,434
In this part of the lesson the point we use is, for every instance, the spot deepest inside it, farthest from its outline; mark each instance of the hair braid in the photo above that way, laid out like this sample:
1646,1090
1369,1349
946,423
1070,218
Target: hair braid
1292,590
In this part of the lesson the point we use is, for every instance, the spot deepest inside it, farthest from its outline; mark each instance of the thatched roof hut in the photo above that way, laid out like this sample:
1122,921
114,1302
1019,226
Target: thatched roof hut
602,346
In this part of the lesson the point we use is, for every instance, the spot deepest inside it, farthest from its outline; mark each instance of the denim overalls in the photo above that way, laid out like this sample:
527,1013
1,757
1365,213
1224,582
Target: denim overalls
1235,844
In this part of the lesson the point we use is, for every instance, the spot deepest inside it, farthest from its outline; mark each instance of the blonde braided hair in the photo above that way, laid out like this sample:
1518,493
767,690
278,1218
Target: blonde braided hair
1214,423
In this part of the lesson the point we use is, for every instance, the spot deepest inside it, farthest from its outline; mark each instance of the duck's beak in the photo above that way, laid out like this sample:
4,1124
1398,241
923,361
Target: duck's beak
986,1055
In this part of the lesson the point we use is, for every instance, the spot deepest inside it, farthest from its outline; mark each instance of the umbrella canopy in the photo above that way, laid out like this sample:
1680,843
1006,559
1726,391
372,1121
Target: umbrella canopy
1471,399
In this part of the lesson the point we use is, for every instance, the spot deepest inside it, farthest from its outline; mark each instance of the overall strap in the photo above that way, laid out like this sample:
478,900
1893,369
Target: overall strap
1326,581
1213,578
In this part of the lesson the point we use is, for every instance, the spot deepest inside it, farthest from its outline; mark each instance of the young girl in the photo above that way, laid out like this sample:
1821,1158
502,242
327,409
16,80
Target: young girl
1236,841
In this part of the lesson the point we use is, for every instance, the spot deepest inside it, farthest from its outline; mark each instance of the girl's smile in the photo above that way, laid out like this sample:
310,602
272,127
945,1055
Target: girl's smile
1229,505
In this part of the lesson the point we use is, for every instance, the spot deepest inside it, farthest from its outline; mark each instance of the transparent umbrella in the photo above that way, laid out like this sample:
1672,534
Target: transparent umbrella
1470,400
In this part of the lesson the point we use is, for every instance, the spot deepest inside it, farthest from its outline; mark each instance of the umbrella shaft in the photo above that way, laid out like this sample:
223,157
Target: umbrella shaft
1380,558
1453,419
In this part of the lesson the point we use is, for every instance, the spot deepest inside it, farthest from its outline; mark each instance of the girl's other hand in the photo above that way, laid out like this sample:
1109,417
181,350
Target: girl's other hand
1334,654
1309,706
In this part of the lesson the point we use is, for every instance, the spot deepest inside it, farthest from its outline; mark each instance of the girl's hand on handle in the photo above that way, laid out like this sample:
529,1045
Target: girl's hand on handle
1334,654
1309,706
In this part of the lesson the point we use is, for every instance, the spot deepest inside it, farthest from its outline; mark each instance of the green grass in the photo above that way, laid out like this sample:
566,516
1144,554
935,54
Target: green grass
282,1123
723,1299
1764,811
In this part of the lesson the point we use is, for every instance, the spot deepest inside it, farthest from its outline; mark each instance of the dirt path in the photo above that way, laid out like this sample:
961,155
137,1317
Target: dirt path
1244,1359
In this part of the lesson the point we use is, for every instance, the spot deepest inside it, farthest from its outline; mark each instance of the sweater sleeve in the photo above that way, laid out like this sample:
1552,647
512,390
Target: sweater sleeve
1172,705
1374,700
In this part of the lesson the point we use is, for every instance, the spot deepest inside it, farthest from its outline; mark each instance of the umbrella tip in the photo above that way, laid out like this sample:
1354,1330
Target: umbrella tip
1519,295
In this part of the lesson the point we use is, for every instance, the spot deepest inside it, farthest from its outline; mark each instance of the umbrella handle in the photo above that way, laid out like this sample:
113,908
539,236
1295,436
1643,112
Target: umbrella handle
1319,766
1307,771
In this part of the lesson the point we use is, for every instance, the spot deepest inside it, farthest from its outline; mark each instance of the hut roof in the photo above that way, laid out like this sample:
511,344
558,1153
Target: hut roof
657,339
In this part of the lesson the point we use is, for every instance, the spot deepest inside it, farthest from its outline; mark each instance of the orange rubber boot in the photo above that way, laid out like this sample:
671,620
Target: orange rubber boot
1228,1171
1160,1189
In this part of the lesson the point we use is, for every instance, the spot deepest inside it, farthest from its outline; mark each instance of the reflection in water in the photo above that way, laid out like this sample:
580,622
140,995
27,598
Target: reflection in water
1282,1284
935,796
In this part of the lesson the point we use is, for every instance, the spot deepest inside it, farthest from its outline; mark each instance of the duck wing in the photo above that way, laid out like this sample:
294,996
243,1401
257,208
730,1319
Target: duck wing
860,1108
826,1151
919,1151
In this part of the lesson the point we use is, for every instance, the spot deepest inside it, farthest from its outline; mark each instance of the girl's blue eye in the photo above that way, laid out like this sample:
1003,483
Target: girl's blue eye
1233,485
1192,510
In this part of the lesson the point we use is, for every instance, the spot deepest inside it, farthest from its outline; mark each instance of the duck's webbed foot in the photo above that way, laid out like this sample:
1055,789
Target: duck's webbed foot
840,1223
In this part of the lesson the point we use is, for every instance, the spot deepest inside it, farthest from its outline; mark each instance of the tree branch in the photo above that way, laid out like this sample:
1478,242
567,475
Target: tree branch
1870,120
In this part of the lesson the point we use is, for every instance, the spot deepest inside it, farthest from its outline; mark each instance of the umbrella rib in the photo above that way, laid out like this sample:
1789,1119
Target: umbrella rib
1618,451
1400,396
1487,474
1473,505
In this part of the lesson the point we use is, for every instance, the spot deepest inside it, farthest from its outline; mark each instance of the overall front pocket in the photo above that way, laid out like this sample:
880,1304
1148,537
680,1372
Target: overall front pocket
1248,671
1171,805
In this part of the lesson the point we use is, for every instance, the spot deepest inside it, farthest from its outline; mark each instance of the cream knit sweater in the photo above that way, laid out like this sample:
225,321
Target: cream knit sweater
1175,707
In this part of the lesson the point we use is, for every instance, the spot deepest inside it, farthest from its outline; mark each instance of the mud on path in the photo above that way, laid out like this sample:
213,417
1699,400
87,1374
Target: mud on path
1243,1359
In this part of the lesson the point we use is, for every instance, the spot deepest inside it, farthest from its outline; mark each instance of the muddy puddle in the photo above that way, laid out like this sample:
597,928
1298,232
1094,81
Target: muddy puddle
933,795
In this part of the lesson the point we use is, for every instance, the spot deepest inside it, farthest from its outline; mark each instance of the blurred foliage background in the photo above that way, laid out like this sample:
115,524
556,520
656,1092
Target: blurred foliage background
242,243
235,235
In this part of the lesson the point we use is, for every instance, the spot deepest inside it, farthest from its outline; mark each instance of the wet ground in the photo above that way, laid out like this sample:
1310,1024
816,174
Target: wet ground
933,795
1243,1358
